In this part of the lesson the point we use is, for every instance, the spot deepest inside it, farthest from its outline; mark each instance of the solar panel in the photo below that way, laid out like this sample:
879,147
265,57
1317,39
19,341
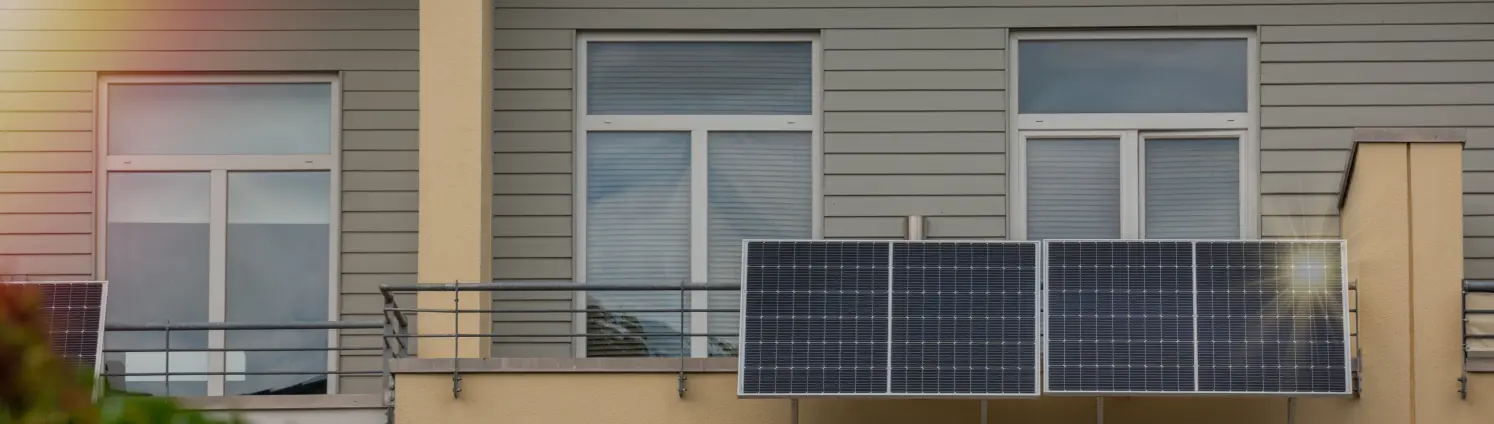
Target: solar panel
964,318
74,311
1230,317
814,318
1120,317
1271,318
891,318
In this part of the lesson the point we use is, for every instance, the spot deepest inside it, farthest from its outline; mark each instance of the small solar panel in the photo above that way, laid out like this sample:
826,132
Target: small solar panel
814,318
1271,317
890,318
1120,317
1229,317
74,311
964,318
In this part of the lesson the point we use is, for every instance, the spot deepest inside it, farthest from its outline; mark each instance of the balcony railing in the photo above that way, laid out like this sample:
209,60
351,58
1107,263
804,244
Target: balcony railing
649,320
199,370
660,325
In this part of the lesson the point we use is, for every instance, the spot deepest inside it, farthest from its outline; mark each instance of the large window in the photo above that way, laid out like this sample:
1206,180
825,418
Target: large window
1133,135
218,205
687,146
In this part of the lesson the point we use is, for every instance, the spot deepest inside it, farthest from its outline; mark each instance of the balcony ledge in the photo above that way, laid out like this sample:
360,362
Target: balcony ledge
564,365
281,402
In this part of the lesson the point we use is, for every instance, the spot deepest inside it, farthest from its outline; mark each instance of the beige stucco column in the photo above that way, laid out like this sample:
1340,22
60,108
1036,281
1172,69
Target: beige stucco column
456,169
1402,215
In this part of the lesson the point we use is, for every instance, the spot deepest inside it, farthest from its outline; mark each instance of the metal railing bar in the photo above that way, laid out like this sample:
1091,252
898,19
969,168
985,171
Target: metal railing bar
200,374
536,311
553,286
207,326
592,335
1482,286
249,349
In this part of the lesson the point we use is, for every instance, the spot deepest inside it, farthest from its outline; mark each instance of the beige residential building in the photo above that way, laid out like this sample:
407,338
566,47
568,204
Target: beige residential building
275,181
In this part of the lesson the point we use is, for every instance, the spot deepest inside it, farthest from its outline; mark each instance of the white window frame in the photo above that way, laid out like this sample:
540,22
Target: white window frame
699,127
218,168
1132,128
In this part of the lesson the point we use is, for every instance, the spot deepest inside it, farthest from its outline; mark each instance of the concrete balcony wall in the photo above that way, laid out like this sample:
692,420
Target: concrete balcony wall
295,409
1402,216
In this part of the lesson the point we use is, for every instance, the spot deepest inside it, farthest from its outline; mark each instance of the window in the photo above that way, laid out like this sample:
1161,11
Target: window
1133,135
218,200
687,146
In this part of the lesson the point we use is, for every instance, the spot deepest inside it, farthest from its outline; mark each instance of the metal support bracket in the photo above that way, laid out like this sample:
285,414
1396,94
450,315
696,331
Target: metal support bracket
1463,326
1357,361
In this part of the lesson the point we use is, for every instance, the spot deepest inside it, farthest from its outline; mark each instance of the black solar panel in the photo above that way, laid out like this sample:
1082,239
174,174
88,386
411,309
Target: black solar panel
963,318
1248,317
1120,317
1270,317
74,311
814,318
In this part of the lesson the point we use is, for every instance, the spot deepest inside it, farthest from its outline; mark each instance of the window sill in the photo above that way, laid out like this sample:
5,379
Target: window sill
564,365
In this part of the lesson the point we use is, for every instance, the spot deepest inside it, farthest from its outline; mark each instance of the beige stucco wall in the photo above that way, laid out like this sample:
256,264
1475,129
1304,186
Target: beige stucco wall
1403,222
650,398
456,184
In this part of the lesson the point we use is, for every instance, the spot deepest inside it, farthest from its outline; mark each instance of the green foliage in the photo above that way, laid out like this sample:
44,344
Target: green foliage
39,387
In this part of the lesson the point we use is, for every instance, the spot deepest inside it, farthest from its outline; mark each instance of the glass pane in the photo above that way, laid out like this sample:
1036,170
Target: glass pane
1132,76
1193,188
1073,189
157,266
205,119
278,226
759,189
693,78
637,232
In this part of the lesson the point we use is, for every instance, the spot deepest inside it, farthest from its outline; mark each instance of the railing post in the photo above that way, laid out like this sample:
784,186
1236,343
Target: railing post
456,339
167,371
685,342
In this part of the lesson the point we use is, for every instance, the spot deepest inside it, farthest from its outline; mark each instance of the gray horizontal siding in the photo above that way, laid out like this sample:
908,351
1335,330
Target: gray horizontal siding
1320,81
532,185
915,101
52,51
914,125
46,174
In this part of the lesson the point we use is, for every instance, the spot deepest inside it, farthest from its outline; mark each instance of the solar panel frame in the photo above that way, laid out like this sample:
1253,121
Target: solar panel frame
103,308
1038,300
1344,318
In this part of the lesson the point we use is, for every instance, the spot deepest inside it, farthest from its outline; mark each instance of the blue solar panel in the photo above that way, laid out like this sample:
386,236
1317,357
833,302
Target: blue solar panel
1237,317
73,312
814,318
1120,317
1270,317
964,318
926,319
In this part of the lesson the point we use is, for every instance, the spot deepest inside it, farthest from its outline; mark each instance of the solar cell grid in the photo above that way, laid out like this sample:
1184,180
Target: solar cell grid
1236,317
964,318
1271,318
1120,317
814,318
73,311
889,318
